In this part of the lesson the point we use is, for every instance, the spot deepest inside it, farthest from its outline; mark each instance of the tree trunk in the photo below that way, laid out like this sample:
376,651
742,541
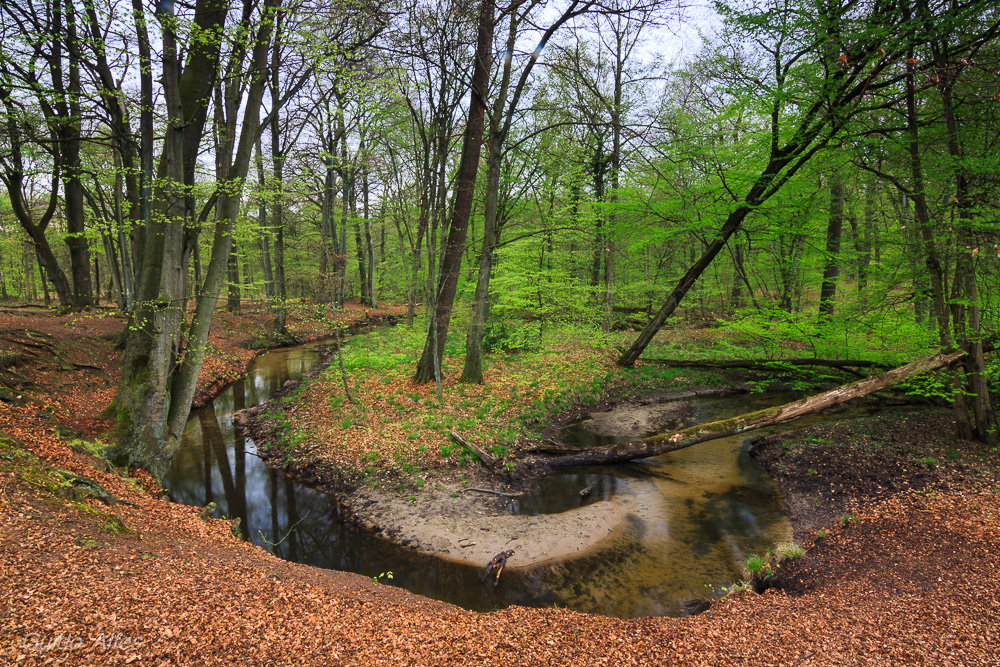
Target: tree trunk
359,247
143,399
233,280
984,422
154,394
668,442
862,246
472,370
733,223
465,185
265,245
365,215
834,231
278,176
146,139
52,273
72,171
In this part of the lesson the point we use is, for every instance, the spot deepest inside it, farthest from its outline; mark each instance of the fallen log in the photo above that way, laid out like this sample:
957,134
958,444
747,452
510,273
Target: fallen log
668,442
481,453
768,364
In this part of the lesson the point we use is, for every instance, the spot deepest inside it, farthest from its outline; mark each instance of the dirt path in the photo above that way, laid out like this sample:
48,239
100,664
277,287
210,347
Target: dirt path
910,581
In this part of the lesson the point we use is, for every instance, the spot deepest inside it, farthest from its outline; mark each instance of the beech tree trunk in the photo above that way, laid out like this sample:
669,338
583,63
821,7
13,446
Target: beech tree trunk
834,231
154,394
502,118
465,186
668,442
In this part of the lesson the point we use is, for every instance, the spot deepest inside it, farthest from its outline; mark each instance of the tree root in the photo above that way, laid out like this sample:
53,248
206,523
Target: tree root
21,510
91,489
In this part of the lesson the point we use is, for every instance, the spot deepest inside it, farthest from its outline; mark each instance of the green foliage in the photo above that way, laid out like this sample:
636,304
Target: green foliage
757,565
736,588
504,336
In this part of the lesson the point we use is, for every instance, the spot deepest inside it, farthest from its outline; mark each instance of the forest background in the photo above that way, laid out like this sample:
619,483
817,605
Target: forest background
819,176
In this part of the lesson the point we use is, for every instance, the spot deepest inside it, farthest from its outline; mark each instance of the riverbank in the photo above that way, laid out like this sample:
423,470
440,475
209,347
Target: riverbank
831,471
403,464
69,364
908,581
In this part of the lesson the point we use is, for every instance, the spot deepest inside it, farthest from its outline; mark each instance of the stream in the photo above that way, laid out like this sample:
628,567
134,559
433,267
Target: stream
693,515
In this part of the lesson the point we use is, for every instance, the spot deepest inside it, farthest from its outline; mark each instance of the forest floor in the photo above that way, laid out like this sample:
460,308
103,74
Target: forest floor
908,578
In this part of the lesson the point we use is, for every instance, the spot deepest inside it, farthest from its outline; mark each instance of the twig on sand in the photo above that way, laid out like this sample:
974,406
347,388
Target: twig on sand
506,494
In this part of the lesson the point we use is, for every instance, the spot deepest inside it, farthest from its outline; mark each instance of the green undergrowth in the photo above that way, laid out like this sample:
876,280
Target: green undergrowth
387,422
773,336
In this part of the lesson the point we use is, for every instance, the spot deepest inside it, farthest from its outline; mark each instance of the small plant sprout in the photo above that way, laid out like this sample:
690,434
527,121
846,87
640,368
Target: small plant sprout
756,566
384,575
847,520
789,551
820,534
741,587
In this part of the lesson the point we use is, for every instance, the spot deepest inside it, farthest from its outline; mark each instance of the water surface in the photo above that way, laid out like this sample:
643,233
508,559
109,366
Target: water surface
693,515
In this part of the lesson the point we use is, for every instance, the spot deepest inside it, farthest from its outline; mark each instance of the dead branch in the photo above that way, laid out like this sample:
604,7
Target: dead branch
668,442
488,459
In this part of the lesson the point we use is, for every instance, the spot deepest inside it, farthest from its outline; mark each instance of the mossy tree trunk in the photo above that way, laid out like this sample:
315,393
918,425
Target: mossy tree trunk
161,366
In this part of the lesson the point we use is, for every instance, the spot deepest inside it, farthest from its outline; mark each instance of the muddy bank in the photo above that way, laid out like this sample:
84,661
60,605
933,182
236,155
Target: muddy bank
469,514
467,525
461,515
464,514
634,416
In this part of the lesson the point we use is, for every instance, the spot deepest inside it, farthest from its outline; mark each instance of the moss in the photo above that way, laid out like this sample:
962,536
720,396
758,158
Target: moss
29,469
87,542
106,522
124,421
112,525
110,412
97,448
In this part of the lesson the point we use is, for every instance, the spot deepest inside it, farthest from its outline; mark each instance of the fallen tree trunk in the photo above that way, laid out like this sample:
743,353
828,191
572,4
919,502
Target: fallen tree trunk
768,364
480,453
668,442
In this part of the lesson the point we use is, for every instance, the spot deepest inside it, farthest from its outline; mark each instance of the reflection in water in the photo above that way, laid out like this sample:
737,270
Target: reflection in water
696,514
693,515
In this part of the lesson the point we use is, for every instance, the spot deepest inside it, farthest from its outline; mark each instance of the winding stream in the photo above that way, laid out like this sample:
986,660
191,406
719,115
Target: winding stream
694,514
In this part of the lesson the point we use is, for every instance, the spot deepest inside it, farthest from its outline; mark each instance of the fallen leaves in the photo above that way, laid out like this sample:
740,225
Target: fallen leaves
911,582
